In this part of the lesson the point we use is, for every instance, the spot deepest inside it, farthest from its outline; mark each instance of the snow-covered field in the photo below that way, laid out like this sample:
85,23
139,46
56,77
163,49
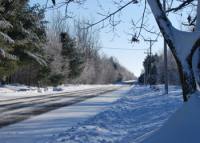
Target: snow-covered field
127,115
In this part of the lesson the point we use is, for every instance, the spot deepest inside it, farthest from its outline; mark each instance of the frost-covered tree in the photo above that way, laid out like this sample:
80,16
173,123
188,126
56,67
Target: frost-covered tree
22,29
28,31
5,40
88,40
72,53
7,64
97,68
173,73
154,70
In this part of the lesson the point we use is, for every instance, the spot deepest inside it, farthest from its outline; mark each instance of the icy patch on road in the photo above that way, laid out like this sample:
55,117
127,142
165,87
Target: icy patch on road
139,112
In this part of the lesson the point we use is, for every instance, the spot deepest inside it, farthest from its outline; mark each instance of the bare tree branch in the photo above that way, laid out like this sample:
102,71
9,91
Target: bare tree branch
185,3
112,14
142,19
192,23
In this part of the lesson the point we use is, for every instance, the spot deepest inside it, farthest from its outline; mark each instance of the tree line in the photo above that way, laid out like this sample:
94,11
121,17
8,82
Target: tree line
157,70
51,51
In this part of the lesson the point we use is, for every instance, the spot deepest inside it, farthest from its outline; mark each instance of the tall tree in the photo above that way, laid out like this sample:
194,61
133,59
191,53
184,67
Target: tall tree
28,32
70,52
6,42
23,29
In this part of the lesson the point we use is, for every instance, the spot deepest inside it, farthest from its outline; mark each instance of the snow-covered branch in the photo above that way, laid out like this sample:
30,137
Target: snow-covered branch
161,19
6,37
37,58
2,9
2,52
4,24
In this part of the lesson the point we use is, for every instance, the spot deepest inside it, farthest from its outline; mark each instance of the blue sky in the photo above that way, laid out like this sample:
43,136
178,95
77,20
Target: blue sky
131,59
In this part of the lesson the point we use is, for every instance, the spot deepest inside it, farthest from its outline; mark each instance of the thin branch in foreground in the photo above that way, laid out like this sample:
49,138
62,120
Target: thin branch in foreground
110,15
185,3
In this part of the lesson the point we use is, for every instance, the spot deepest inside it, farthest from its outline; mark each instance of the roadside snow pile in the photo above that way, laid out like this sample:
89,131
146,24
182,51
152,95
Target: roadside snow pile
15,87
72,87
129,119
182,126
16,90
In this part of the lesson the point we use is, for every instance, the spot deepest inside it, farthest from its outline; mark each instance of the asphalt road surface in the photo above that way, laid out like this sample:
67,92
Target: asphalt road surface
16,110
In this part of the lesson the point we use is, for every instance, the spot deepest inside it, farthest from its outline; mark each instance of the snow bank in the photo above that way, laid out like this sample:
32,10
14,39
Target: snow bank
182,126
129,119
15,90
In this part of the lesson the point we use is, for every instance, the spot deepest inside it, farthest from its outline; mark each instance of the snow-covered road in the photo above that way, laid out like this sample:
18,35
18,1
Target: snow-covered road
42,128
15,110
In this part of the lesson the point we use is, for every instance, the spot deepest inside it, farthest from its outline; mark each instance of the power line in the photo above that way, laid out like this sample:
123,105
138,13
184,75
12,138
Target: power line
120,48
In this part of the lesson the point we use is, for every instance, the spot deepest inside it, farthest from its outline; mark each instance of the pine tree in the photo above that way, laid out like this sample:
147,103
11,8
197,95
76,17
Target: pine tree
153,69
70,52
28,32
6,42
22,29
7,61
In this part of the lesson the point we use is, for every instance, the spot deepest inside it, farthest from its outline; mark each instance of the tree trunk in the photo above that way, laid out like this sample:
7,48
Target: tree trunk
3,80
187,80
30,72
195,66
9,80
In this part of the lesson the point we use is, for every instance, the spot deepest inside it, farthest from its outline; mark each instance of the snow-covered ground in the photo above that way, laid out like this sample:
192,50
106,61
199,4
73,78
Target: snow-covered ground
129,114
182,126
14,91
129,119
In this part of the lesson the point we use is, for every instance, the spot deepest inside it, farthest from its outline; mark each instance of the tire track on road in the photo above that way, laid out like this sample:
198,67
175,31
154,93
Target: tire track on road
17,111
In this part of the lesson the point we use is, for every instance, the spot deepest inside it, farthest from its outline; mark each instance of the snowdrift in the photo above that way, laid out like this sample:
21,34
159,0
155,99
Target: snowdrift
182,127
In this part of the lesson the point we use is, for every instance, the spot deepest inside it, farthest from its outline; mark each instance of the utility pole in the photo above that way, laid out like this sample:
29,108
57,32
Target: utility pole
165,59
147,70
146,66
150,56
144,76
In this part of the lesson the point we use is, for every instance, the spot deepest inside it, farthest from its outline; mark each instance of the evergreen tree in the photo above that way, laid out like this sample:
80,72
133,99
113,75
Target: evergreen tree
5,41
22,29
141,78
153,69
70,52
28,32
